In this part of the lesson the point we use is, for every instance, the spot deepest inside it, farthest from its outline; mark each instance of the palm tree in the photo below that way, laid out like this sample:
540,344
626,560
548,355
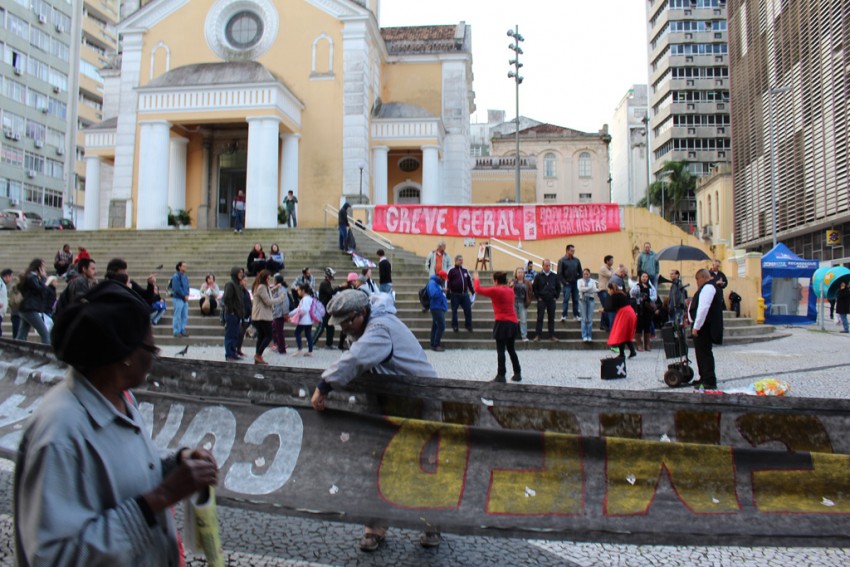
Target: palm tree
677,185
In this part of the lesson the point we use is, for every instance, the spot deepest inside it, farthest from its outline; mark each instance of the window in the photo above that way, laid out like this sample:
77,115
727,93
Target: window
33,194
10,189
549,165
38,69
550,197
15,58
36,99
584,169
60,50
58,79
40,39
12,122
408,193
55,137
585,197
17,26
41,8
15,90
408,164
11,155
709,209
90,71
35,130
61,21
54,168
57,108
33,162
53,198
244,30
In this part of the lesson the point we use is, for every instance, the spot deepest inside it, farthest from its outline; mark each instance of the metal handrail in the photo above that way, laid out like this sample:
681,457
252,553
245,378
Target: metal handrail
525,257
363,229
507,251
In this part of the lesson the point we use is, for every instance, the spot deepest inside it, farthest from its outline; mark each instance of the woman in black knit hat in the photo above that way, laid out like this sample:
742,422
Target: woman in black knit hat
89,482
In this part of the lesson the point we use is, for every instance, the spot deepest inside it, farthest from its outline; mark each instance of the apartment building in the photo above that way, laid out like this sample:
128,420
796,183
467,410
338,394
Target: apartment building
688,85
628,148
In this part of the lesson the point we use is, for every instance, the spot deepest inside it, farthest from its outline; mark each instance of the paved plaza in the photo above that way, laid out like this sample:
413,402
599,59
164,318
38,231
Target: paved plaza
813,363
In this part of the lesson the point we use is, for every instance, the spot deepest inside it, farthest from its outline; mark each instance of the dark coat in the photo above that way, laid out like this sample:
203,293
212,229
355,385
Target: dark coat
842,304
546,286
569,270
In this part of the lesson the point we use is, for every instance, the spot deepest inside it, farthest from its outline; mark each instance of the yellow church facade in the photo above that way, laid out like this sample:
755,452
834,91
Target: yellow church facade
211,97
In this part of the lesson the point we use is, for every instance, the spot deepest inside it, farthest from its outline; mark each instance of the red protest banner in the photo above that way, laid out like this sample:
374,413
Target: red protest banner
526,222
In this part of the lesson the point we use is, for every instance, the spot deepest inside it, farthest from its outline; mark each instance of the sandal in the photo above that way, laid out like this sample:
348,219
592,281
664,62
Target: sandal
370,542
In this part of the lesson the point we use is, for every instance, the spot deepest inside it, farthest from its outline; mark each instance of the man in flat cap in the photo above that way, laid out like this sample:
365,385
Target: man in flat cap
381,344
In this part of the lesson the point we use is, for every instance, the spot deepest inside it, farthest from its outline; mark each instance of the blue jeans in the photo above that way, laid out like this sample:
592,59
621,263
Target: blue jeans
677,317
343,235
386,287
32,319
181,316
463,300
438,326
653,280
587,318
522,315
232,327
607,317
240,220
308,330
290,218
570,291
157,314
16,324
843,318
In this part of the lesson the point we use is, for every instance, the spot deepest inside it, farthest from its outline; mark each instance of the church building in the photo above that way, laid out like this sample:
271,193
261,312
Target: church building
210,97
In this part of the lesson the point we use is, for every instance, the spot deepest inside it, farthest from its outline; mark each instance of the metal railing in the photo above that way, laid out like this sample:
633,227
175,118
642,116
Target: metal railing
364,229
514,252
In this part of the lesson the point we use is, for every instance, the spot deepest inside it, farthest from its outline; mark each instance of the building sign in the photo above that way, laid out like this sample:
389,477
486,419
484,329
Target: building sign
833,238
523,222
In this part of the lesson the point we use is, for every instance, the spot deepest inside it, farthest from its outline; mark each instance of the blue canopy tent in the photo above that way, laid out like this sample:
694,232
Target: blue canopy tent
783,293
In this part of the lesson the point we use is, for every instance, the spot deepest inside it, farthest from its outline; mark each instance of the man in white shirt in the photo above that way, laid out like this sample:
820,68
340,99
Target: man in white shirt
706,315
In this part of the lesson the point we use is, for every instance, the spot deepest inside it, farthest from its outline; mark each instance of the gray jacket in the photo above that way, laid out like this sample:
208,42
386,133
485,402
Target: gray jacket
387,346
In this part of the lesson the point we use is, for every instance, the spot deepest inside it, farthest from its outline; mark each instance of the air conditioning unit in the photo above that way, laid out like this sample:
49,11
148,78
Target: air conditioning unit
16,136
44,110
42,19
39,144
55,89
60,28
19,71
8,134
30,173
707,231
60,151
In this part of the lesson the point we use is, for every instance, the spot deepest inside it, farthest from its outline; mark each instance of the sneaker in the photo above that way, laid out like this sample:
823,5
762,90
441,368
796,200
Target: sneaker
516,377
525,339
438,348
563,318
231,359
430,539
615,350
454,329
499,378
536,339
576,318
308,354
554,339
370,542
298,353
330,347
469,329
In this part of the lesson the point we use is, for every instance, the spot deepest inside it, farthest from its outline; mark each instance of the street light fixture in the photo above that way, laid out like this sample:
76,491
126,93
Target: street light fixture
771,92
361,166
514,74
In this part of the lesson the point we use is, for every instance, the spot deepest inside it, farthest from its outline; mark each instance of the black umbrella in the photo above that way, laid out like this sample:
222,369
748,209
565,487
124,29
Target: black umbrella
682,253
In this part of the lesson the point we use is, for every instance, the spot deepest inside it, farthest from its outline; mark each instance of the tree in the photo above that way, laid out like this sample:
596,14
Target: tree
677,185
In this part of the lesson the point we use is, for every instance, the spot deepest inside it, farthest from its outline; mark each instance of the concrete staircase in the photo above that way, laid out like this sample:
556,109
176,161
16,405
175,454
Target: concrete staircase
218,250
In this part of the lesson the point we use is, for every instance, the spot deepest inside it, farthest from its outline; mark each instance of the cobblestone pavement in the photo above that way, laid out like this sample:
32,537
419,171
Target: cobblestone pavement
814,363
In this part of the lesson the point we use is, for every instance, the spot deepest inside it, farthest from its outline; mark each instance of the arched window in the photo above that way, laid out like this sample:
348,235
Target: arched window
160,62
709,209
549,165
717,205
323,56
408,196
584,169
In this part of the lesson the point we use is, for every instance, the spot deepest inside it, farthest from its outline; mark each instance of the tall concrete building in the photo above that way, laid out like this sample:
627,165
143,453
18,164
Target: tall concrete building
51,89
37,47
688,85
628,148
98,49
793,56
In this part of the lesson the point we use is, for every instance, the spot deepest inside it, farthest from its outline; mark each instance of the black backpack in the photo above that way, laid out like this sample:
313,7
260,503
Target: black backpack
424,299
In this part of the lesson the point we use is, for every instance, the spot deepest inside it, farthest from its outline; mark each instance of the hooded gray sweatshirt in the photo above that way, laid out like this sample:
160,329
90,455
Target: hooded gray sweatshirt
387,347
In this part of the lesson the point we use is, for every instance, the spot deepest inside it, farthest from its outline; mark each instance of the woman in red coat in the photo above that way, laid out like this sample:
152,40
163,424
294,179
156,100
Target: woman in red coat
506,327
625,320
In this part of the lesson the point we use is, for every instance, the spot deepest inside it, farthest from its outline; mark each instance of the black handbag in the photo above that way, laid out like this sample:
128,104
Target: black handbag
613,368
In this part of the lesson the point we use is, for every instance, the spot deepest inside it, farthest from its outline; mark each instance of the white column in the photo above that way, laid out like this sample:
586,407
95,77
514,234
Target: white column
262,177
379,163
92,202
154,138
177,173
289,163
430,175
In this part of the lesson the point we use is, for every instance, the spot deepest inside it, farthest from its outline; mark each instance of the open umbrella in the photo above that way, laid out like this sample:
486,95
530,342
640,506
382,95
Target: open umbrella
682,253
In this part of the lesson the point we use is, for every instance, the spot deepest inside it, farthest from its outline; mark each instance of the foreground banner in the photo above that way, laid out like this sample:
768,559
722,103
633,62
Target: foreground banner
499,460
525,222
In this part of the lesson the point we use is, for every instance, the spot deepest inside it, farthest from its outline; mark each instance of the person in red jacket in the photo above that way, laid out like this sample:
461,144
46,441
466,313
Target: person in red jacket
506,327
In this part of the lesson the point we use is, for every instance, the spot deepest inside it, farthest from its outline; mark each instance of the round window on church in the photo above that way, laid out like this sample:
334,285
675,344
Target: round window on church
244,30
408,164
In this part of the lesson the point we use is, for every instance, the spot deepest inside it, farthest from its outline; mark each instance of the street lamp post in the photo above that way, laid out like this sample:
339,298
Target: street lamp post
648,154
361,166
663,175
514,74
771,92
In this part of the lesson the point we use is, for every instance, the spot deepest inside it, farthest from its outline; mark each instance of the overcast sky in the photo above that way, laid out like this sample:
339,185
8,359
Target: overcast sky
581,56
